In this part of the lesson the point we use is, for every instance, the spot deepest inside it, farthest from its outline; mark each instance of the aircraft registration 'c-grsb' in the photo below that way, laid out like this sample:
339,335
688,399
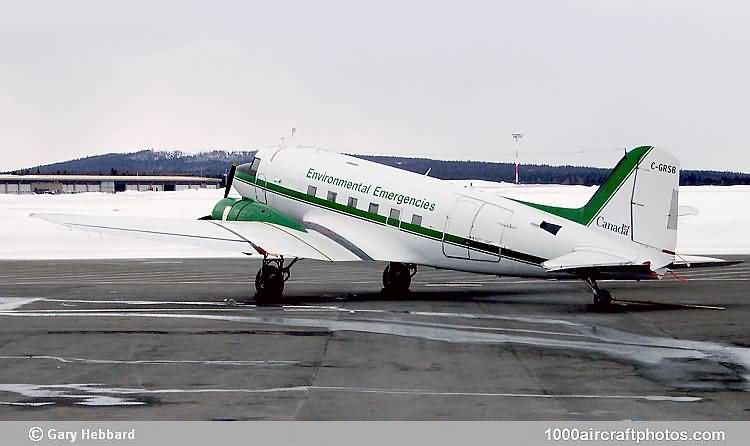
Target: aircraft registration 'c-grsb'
302,203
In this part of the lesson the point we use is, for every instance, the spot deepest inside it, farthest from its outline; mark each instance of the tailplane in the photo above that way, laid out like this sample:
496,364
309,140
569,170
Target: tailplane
638,201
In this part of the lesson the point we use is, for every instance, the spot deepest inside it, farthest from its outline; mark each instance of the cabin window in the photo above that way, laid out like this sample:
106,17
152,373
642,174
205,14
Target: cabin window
331,196
395,214
312,190
416,220
352,203
373,208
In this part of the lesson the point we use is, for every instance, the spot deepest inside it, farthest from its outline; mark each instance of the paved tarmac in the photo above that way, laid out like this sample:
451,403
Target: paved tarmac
162,339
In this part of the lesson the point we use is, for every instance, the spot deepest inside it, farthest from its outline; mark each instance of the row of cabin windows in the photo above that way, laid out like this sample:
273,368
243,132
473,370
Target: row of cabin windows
373,209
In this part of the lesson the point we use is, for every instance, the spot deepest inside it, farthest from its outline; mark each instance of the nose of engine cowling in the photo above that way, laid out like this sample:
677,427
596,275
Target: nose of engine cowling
244,168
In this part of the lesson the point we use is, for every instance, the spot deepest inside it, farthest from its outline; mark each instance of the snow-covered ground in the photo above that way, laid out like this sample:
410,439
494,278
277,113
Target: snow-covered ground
24,237
719,228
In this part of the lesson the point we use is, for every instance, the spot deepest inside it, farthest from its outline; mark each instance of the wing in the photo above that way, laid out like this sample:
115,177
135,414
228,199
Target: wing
250,237
372,242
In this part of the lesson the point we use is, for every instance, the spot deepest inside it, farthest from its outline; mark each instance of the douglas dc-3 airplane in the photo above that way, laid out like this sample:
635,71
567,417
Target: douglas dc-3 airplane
302,203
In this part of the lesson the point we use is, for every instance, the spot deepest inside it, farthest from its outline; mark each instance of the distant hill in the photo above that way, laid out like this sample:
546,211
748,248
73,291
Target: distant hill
216,163
540,174
148,162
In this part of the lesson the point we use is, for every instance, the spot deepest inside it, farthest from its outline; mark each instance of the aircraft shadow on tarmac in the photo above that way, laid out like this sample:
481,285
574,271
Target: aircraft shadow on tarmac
528,297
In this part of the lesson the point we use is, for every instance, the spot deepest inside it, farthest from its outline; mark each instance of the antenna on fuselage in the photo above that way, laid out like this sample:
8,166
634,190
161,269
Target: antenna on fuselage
282,143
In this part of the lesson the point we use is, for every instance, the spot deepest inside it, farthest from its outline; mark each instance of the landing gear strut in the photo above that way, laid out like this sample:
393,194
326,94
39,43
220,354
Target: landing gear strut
602,298
269,282
397,278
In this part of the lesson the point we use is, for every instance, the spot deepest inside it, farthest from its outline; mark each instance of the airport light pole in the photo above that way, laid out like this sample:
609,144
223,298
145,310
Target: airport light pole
517,138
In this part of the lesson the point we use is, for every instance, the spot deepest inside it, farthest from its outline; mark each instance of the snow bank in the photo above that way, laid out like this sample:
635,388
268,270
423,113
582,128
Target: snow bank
719,228
23,237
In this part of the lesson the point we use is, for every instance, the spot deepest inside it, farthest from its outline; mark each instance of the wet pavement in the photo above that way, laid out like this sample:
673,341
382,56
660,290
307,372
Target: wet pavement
177,339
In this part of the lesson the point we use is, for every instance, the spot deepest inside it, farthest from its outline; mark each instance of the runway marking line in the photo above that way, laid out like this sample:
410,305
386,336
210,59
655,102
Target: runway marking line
452,285
667,304
98,390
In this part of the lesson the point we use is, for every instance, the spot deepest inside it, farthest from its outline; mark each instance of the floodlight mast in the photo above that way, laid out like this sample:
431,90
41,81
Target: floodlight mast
282,140
517,138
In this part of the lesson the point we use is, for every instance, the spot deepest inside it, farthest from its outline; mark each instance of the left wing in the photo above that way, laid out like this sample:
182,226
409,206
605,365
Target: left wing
250,237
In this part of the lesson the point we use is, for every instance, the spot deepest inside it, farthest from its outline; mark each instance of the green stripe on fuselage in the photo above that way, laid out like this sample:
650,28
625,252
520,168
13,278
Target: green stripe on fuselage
586,214
376,218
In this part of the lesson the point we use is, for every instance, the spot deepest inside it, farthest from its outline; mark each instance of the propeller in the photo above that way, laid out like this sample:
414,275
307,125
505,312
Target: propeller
230,178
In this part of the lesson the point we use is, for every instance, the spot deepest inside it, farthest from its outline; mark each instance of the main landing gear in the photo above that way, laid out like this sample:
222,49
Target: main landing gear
269,282
602,298
397,278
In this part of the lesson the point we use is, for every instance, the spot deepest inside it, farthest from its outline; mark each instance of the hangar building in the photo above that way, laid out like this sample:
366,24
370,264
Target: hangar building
59,184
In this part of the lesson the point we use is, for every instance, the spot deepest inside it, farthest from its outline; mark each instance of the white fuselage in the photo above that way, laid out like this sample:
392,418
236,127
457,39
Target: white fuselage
385,213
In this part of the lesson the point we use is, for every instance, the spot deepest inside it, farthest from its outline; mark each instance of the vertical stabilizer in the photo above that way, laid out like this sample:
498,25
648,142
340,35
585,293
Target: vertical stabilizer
638,201
656,200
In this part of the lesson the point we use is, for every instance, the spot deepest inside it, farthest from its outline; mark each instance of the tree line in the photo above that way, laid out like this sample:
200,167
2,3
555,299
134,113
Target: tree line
216,164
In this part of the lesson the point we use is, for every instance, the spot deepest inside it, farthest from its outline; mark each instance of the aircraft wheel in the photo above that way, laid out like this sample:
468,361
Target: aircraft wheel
602,298
396,279
269,285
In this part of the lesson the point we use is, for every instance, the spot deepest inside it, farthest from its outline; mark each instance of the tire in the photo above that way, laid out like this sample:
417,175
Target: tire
269,285
602,298
396,279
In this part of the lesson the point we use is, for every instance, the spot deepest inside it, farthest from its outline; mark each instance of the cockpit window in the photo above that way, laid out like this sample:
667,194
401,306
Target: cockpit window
254,167
250,168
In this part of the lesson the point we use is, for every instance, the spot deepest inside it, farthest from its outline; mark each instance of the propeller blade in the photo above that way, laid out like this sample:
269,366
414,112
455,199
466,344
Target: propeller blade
230,178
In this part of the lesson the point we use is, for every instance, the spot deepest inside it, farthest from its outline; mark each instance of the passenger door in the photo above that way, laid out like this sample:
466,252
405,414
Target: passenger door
458,226
487,232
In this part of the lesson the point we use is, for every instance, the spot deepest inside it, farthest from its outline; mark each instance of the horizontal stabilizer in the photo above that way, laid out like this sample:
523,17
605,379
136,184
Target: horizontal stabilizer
584,258
685,261
600,264
685,210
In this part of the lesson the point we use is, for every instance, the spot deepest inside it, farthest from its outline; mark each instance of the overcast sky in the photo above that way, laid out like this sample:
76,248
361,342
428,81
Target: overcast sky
581,79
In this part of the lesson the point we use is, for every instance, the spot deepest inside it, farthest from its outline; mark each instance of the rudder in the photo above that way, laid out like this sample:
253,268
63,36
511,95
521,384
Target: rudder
644,204
656,201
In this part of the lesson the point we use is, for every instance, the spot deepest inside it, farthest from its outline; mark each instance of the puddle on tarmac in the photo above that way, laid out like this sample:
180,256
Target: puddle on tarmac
67,395
676,363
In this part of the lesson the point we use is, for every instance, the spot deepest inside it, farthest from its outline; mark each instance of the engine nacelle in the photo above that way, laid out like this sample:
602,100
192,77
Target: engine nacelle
245,209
